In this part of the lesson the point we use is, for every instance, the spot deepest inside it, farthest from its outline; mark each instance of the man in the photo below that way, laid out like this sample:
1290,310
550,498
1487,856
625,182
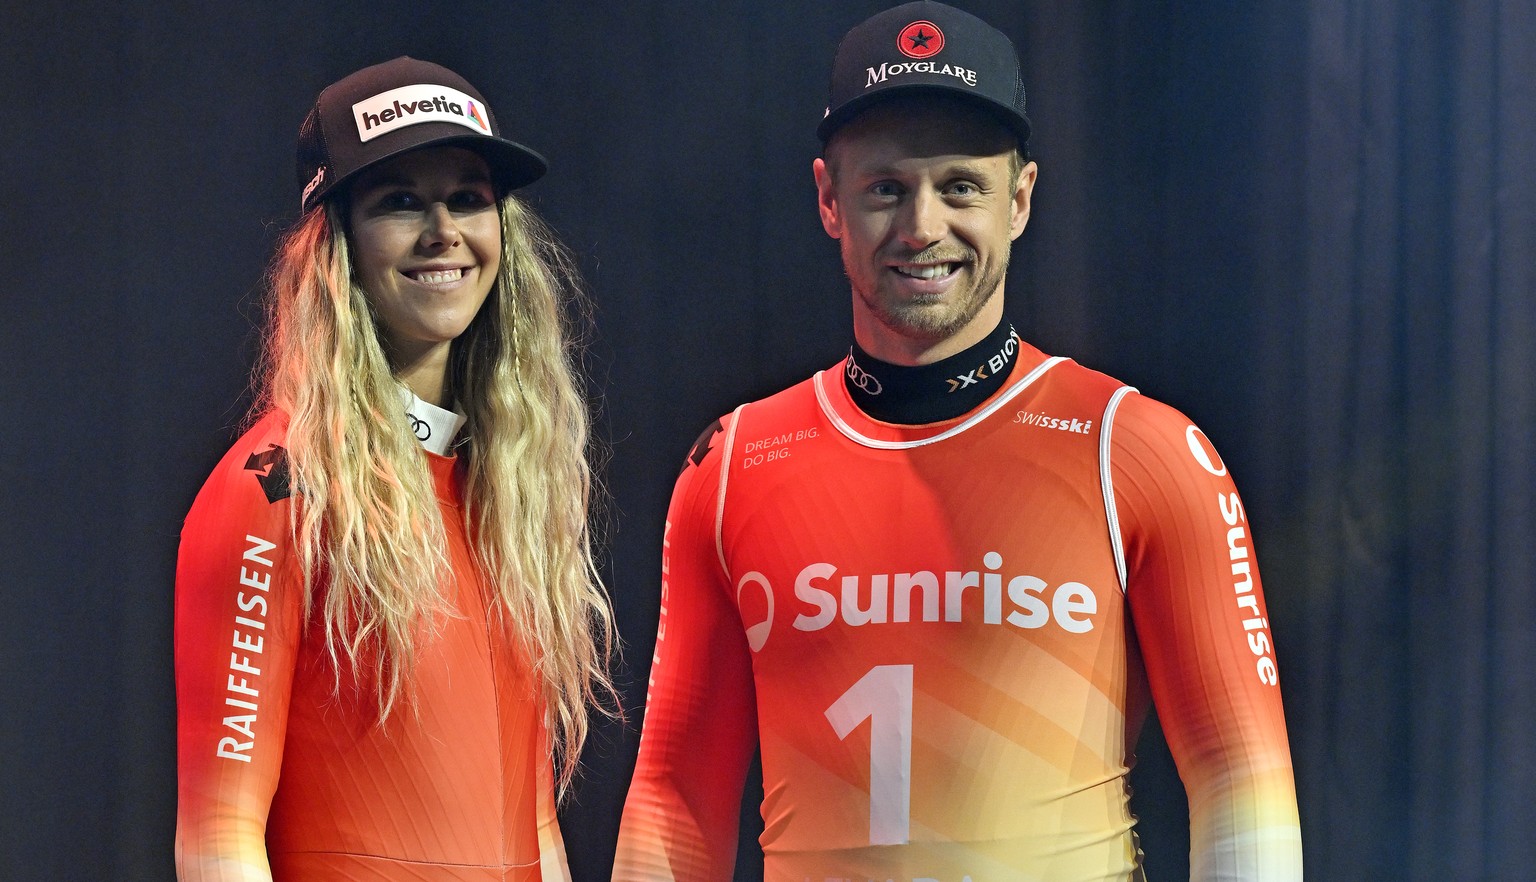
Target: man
938,583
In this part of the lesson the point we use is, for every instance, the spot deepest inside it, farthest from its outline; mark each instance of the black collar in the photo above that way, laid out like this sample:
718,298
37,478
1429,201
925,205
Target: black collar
931,393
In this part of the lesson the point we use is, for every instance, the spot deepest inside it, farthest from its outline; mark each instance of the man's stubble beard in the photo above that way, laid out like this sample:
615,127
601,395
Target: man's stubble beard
915,319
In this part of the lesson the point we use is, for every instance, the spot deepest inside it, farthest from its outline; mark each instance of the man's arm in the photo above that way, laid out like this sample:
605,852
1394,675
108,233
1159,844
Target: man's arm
237,623
680,818
1203,628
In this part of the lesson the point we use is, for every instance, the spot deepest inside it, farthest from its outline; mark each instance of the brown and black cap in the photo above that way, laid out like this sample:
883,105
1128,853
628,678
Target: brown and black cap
392,108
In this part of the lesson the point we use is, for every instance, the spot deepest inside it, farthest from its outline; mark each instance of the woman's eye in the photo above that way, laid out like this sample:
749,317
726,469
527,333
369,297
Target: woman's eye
469,199
399,200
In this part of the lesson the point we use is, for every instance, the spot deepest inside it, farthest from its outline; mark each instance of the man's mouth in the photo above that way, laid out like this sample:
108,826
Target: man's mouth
928,271
437,277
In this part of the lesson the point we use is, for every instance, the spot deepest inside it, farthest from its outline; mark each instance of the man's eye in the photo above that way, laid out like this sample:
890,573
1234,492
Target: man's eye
962,188
885,190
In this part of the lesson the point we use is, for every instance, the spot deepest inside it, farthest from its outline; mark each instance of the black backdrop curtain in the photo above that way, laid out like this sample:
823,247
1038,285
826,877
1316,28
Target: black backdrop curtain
1309,226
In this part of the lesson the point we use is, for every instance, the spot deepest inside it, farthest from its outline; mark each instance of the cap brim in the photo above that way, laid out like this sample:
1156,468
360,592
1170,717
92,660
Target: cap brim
855,106
512,165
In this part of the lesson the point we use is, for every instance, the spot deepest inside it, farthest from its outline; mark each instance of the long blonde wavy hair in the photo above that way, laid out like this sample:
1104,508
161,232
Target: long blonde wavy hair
367,524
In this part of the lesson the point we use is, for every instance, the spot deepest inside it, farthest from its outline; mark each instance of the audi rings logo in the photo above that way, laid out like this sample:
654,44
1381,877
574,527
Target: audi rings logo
862,378
420,427
751,608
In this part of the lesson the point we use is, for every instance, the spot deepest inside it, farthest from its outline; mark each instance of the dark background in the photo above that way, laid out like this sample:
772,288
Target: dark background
1308,225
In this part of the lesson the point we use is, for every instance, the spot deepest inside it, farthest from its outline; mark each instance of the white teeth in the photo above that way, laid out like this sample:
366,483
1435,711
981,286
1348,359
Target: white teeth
927,272
438,277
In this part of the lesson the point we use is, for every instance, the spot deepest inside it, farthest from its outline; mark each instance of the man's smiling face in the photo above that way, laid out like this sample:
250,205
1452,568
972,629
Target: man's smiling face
925,197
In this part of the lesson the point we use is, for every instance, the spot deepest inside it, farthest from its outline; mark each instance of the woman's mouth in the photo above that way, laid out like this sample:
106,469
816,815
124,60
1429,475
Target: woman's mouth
437,277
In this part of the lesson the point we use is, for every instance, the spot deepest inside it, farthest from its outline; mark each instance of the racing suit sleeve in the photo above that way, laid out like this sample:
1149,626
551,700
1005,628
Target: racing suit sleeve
700,730
238,616
1200,619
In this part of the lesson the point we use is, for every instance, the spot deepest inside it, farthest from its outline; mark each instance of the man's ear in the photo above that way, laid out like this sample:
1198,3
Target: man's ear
1022,191
826,199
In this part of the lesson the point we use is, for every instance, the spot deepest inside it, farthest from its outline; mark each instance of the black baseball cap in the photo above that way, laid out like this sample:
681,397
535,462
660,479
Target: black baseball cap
388,109
926,47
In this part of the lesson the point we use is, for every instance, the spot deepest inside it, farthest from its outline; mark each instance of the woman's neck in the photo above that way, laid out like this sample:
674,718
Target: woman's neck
426,374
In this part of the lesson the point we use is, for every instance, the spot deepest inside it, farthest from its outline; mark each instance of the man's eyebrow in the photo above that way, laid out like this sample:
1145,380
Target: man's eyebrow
960,168
876,171
968,169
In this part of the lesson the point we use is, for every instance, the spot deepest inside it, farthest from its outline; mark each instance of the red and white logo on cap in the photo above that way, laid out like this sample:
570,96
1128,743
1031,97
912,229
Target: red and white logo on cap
920,39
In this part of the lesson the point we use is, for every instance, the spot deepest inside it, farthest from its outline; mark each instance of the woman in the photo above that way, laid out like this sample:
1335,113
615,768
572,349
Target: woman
387,619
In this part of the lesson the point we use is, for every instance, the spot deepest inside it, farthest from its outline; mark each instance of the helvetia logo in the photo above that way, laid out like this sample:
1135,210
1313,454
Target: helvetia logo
410,105
920,39
474,113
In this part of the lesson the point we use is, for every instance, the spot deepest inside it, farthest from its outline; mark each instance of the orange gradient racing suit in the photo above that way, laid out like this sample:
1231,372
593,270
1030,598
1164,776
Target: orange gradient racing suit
944,638
284,774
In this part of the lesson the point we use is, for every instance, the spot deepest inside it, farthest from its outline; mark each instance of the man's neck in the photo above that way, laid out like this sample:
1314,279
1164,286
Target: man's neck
878,340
